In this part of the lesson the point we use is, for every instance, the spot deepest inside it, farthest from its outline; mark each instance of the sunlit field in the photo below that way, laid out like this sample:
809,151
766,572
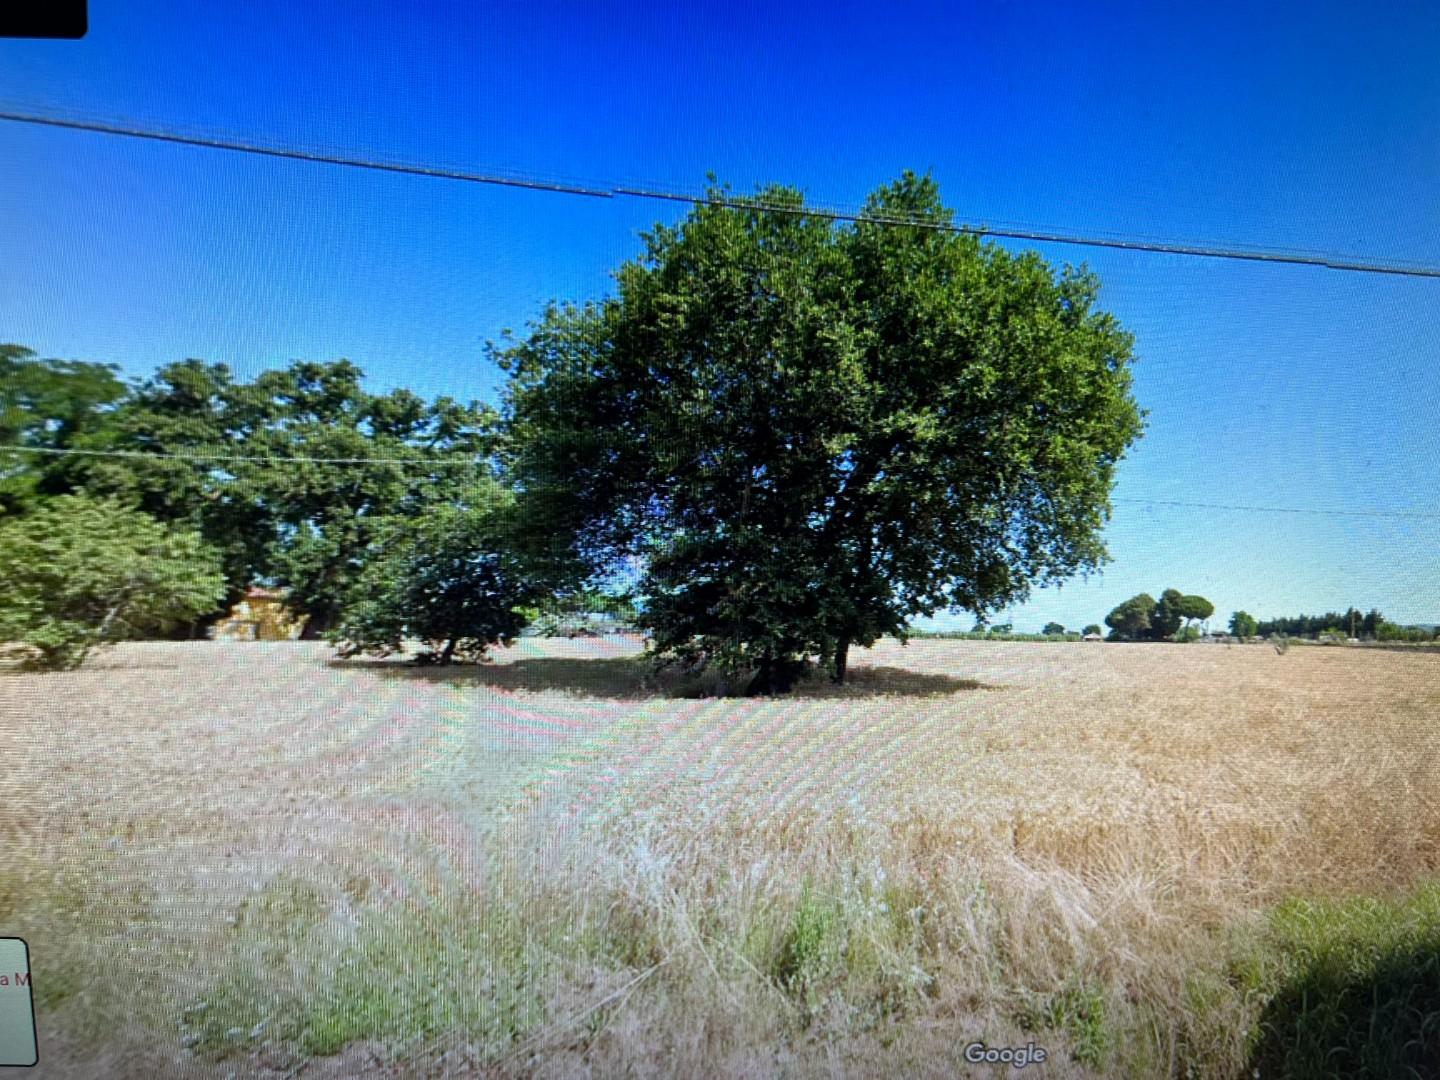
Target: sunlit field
253,859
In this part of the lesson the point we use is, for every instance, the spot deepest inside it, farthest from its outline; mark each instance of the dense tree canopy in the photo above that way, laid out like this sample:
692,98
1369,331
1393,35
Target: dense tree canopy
811,433
1165,620
1312,625
81,573
237,461
46,405
1371,626
448,579
1143,618
1131,620
1195,608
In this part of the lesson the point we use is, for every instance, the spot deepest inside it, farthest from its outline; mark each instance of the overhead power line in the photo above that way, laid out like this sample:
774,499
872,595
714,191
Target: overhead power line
1417,514
1348,263
475,460
299,154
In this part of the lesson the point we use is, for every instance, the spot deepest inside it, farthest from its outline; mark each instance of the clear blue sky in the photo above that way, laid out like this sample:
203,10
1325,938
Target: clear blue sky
1314,128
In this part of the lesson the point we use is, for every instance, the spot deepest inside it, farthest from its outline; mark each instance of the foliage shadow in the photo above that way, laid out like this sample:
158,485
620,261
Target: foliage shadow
630,678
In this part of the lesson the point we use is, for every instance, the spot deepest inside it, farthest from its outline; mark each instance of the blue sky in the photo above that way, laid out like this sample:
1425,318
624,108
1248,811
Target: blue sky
1312,128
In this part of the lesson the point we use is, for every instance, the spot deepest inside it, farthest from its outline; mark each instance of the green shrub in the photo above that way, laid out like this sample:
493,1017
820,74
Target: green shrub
82,573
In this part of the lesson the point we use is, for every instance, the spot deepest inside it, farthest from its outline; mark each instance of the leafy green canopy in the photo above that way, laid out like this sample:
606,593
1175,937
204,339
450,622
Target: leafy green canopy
811,433
46,405
83,573
1132,619
304,524
1143,618
1193,608
448,579
1166,619
1243,624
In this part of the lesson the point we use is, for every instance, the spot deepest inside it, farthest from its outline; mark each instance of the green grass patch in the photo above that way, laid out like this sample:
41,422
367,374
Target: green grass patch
393,974
1352,988
812,946
1079,1011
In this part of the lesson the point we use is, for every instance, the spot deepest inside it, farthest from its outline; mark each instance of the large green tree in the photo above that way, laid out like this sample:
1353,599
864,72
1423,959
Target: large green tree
344,460
82,573
810,433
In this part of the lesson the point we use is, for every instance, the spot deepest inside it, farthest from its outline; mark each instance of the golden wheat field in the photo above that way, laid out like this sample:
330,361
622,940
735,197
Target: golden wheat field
254,860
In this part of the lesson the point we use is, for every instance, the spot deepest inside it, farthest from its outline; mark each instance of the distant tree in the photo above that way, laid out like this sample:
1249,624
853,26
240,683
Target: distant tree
83,573
1243,625
1372,622
1002,628
811,432
1195,609
1165,622
1131,621
1053,629
448,579
1188,633
327,510
1389,631
162,431
1093,628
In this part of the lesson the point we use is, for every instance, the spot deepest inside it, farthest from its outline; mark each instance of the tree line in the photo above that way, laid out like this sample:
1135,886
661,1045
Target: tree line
778,438
1371,626
1174,615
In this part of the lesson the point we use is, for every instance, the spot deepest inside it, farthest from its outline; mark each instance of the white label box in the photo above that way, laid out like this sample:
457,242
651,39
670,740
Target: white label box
18,1045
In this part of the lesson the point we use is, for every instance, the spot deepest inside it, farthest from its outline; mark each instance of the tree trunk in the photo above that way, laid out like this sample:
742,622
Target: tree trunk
842,658
316,626
762,684
449,651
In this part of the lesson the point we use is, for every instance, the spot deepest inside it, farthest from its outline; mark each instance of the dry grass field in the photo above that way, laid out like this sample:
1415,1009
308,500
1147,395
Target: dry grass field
251,859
